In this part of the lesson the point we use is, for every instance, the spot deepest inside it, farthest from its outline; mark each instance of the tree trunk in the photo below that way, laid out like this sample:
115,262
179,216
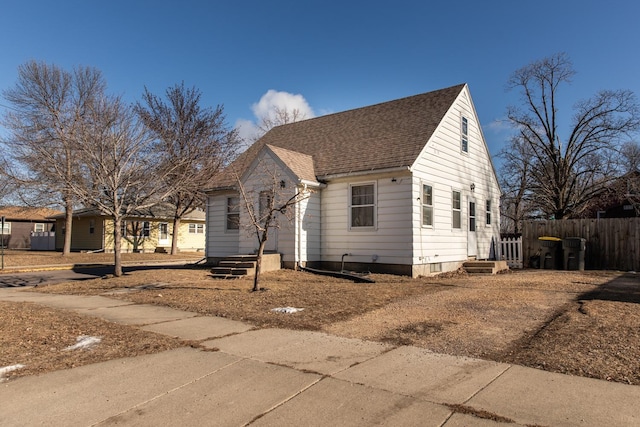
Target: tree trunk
174,236
256,278
117,247
68,222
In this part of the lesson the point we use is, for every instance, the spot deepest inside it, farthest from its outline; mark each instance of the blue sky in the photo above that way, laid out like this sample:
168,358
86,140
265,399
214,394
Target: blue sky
334,55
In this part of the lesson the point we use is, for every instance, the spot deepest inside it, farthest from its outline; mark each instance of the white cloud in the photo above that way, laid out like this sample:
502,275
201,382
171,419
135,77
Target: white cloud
266,107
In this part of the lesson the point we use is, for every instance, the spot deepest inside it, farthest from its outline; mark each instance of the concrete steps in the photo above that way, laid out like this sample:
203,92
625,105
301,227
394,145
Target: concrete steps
236,266
484,268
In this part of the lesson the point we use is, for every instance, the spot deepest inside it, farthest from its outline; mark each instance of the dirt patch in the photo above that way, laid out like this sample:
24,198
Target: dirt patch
581,323
40,339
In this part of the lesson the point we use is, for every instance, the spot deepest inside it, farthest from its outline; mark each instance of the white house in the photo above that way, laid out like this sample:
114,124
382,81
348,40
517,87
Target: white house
405,186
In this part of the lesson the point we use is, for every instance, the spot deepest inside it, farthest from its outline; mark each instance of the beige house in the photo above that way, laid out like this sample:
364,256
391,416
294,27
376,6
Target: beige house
149,230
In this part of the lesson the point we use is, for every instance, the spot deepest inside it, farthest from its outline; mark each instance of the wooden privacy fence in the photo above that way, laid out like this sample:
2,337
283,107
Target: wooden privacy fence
611,243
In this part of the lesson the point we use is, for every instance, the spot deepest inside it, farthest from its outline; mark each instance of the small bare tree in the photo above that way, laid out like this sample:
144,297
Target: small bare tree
275,202
48,106
194,144
120,174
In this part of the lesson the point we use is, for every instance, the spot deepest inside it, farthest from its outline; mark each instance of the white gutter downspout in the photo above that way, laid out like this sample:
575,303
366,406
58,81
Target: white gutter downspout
299,228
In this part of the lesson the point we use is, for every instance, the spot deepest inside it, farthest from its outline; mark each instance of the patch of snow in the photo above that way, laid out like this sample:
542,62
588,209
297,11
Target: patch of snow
84,342
7,369
286,310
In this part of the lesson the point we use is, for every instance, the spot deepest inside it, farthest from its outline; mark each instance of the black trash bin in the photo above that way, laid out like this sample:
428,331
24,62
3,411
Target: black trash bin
574,249
550,252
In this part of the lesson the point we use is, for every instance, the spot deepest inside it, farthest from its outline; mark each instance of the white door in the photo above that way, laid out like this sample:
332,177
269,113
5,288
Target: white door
472,241
163,234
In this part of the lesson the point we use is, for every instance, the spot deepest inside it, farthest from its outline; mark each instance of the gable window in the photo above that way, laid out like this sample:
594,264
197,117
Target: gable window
456,213
488,212
427,205
233,213
196,228
362,205
464,146
38,227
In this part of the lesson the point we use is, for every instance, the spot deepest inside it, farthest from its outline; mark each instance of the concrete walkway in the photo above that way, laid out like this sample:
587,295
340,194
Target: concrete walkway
279,377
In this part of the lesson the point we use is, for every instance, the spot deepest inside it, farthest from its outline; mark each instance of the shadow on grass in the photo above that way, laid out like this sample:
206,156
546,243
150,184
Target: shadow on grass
625,288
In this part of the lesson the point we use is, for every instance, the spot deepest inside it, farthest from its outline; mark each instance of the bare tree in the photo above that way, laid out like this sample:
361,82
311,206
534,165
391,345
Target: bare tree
630,153
120,174
267,205
515,175
194,144
47,109
567,172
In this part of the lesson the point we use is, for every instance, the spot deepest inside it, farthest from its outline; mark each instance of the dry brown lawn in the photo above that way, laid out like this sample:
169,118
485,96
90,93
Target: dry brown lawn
579,323
16,258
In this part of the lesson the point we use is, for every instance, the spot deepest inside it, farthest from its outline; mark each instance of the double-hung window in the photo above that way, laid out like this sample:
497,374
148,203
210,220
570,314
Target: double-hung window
456,212
233,213
464,130
196,228
427,205
362,205
38,227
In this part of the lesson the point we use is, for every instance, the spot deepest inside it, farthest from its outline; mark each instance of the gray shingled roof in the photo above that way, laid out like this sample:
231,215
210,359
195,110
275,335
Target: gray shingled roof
387,135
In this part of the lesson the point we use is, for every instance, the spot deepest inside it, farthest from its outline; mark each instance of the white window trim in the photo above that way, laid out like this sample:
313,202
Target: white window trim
39,225
422,205
375,206
7,227
195,228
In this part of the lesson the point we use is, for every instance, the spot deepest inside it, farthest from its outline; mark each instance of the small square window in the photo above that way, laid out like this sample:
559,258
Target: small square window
38,227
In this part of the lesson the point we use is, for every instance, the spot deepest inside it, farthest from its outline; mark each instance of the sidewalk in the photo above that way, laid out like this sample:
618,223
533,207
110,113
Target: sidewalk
280,377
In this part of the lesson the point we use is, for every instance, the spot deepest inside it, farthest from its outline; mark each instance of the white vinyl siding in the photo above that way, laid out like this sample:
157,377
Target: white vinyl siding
441,166
220,242
388,243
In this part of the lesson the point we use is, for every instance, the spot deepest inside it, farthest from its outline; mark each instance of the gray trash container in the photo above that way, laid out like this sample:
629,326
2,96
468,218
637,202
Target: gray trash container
550,252
574,249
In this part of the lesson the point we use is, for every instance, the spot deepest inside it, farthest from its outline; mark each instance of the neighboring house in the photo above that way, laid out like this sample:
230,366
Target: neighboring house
148,230
21,222
406,187
621,198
